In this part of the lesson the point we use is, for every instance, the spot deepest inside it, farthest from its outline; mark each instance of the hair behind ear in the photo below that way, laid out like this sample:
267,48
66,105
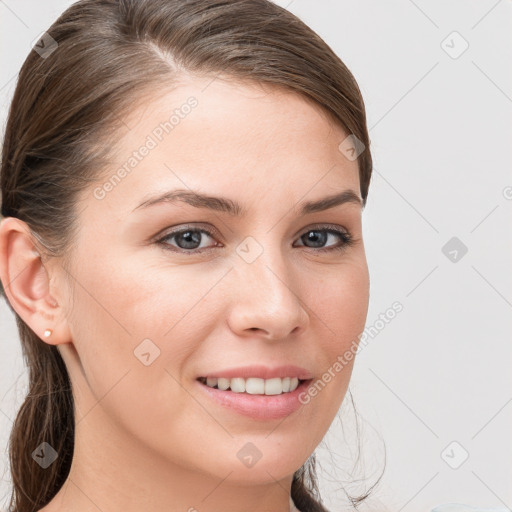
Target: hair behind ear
46,416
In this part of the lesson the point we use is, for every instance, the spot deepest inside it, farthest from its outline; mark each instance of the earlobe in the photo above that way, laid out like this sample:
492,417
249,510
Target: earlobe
27,284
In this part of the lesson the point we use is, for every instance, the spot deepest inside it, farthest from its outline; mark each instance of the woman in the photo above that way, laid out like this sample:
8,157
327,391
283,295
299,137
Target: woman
182,189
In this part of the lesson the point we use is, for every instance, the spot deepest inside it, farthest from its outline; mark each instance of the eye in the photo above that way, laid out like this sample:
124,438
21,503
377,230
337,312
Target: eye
319,236
188,240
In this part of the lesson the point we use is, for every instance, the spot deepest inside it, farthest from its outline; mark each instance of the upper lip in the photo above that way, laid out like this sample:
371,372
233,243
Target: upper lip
262,372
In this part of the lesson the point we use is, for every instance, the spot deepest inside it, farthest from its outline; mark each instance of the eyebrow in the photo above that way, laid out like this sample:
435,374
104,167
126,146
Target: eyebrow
225,205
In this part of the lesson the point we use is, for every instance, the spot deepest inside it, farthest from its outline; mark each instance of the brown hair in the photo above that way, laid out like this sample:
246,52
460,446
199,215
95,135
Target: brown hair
95,60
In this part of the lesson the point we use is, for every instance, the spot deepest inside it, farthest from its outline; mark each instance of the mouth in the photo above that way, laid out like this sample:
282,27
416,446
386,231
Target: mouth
259,399
254,385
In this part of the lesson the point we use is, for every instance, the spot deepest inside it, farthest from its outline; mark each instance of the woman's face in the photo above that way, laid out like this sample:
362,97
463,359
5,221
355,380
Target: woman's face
263,282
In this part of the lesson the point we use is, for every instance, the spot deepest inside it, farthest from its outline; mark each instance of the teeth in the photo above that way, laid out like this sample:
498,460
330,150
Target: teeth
237,385
212,381
253,385
222,384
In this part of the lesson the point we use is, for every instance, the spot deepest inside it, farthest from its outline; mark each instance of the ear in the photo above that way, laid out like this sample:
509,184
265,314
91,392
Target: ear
27,283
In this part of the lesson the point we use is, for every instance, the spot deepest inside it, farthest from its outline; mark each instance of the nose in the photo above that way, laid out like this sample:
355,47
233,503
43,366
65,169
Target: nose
267,301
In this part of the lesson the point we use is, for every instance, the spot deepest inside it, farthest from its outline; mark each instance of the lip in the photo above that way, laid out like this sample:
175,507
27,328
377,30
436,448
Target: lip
262,372
258,407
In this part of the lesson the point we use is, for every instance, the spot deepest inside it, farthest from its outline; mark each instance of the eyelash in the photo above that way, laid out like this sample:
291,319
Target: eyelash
347,239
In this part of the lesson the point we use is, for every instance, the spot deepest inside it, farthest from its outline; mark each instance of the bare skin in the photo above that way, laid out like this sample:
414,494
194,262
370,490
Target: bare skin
148,437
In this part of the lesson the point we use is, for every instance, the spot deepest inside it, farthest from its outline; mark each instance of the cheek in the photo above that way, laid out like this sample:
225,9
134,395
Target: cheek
133,338
340,302
123,312
137,299
340,305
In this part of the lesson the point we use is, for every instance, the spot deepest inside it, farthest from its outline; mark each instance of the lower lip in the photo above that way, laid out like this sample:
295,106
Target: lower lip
260,407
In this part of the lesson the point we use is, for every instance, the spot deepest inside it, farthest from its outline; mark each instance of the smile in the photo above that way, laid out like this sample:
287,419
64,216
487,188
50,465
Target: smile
261,399
253,385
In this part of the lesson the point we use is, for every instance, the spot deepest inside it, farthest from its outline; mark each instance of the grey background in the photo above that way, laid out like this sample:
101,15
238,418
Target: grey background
441,132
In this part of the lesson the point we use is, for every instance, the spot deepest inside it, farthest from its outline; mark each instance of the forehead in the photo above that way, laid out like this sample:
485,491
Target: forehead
219,135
